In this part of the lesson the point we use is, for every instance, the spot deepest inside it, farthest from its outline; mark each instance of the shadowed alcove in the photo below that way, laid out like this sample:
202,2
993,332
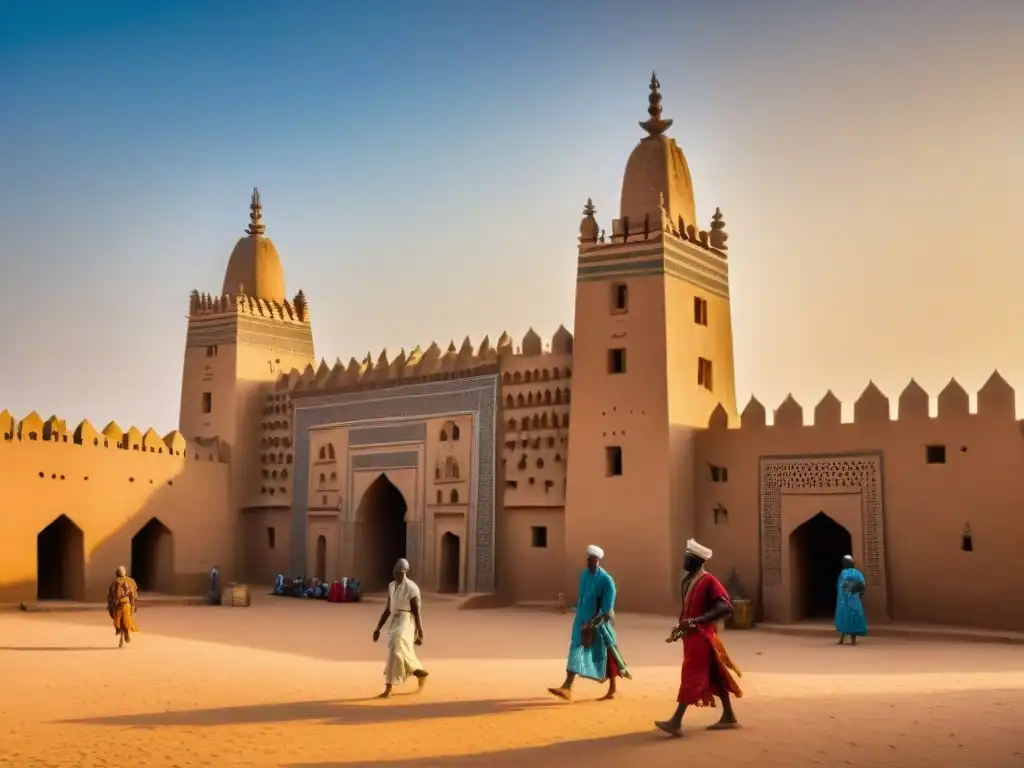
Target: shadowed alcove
60,561
152,564
816,551
381,516
448,580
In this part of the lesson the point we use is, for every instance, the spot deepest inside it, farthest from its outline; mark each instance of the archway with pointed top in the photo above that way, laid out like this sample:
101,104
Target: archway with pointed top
60,561
817,548
152,563
380,518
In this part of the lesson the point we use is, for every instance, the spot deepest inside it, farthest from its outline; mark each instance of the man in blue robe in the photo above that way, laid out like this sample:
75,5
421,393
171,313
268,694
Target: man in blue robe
850,619
593,645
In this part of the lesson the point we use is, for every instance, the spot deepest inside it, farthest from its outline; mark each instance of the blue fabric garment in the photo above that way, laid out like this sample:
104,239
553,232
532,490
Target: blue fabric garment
850,618
279,585
596,594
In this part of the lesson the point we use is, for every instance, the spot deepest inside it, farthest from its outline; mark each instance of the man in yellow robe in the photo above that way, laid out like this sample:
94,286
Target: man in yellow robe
122,600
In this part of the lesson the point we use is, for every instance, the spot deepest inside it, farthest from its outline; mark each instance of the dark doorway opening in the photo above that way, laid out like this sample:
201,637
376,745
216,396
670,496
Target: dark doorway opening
60,561
450,562
816,551
381,517
321,558
152,564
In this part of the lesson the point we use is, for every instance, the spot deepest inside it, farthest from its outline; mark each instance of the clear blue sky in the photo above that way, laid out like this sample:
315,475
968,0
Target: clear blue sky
423,166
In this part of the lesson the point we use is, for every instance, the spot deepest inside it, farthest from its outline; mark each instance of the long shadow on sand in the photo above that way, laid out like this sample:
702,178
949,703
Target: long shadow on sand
613,751
331,712
35,648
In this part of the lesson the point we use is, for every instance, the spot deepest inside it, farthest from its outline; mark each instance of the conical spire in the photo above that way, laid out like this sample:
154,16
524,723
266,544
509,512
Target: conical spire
589,210
256,225
655,126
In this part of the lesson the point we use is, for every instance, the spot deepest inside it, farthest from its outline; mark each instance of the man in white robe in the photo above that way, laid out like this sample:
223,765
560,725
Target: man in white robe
405,630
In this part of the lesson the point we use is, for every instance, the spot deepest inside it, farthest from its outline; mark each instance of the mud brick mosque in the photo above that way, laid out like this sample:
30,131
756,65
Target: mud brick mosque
491,465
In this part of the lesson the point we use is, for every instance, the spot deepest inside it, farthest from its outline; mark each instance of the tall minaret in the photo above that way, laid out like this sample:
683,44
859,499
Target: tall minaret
237,345
652,357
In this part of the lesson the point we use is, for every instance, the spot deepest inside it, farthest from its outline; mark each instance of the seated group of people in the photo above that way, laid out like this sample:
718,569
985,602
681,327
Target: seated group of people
344,591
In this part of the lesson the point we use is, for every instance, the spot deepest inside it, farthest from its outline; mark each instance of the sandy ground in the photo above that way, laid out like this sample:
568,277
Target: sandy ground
290,683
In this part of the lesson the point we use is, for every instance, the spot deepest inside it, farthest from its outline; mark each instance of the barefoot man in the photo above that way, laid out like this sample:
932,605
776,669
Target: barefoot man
405,630
707,669
593,646
121,605
850,619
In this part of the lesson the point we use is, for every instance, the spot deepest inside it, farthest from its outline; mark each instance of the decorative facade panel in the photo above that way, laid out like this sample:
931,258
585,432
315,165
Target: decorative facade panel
396,460
475,395
413,432
825,474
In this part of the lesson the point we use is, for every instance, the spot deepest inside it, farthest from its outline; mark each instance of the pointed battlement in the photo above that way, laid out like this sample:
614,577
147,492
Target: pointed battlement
205,305
33,429
996,400
435,362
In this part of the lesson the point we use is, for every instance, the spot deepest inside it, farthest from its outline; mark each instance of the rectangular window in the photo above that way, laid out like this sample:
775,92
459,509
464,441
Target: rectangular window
271,537
539,536
616,361
613,461
211,351
719,474
704,373
620,298
935,454
700,310
207,402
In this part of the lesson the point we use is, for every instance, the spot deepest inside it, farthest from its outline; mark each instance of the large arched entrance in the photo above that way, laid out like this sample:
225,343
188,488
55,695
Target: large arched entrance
152,564
448,580
60,561
816,551
381,519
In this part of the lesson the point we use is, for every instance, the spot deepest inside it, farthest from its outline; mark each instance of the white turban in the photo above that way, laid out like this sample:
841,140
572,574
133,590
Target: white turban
694,548
595,551
402,563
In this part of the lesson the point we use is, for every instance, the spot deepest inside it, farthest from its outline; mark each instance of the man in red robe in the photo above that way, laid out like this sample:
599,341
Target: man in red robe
707,669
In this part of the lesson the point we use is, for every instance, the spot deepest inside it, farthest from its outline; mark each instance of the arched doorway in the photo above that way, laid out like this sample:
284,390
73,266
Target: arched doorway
60,561
816,551
152,564
381,519
448,580
321,558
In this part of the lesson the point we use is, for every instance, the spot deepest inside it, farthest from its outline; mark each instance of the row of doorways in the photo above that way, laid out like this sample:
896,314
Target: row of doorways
60,560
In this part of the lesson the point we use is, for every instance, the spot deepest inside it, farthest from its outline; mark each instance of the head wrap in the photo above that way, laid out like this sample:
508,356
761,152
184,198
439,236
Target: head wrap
402,563
595,551
697,549
121,571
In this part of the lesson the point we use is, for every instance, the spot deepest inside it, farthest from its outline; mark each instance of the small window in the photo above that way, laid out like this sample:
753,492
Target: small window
719,474
211,351
455,432
620,297
613,461
207,402
700,310
440,497
539,536
271,537
616,361
455,496
967,540
935,454
704,373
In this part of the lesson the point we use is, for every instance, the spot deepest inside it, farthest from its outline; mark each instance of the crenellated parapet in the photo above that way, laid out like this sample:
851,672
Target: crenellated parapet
594,237
32,429
996,400
202,305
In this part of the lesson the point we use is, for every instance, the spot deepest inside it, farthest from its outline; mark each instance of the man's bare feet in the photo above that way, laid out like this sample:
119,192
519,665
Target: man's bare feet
386,694
676,731
562,693
608,696
421,676
725,724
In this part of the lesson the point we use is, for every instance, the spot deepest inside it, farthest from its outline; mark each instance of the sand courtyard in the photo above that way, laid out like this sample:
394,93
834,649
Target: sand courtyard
291,683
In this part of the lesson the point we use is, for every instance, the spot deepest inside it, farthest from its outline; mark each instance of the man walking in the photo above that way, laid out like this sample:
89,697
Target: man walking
593,645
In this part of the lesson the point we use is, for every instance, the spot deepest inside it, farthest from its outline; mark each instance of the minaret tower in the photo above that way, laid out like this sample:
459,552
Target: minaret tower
237,345
652,358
